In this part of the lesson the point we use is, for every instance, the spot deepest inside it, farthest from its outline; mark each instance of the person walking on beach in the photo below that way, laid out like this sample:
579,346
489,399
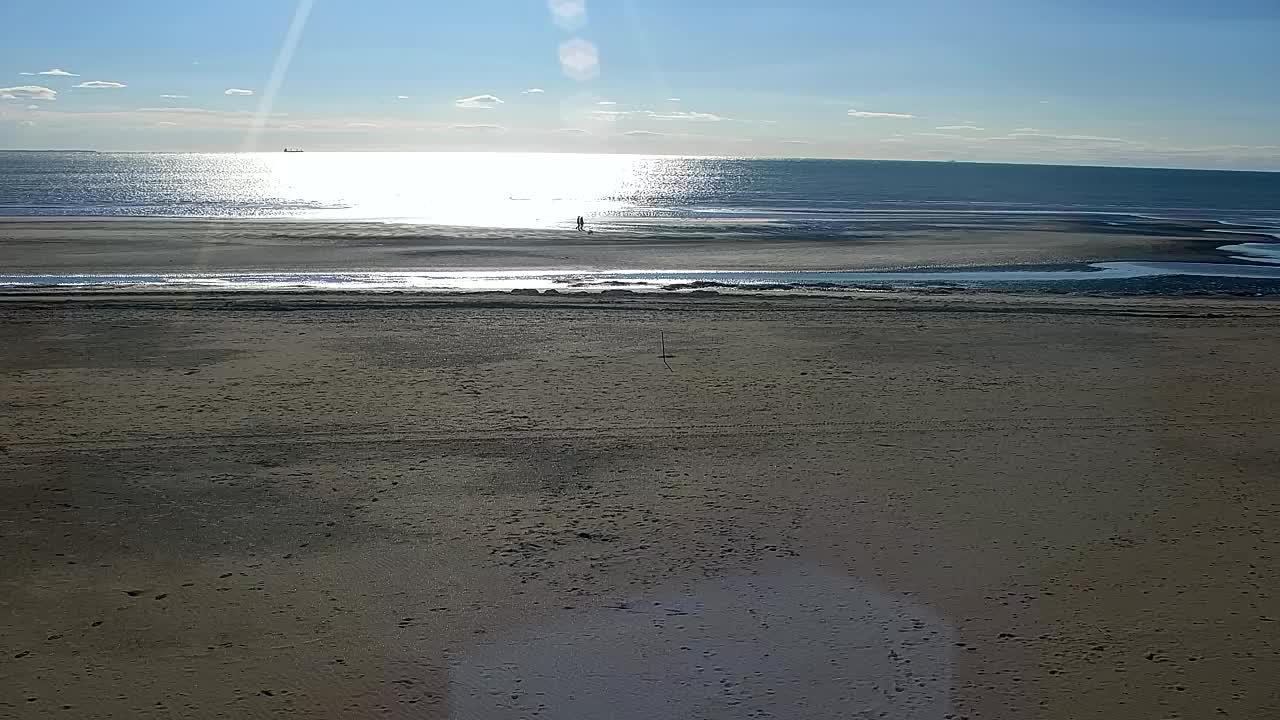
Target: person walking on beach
581,223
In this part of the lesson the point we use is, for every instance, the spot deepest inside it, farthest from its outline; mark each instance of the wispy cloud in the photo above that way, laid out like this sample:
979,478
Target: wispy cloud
609,115
199,118
533,91
480,128
958,127
1036,136
884,115
692,116
1026,130
175,97
197,111
1028,138
478,102
673,99
568,14
186,110
402,97
166,123
363,125
573,131
27,123
28,92
612,115
1228,150
943,136
237,91
644,133
100,85
797,142
57,72
186,117
606,102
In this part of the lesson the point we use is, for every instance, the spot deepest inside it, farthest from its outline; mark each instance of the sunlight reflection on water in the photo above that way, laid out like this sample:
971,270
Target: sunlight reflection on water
463,189
635,280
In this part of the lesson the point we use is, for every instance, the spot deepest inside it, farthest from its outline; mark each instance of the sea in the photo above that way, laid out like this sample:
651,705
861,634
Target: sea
734,198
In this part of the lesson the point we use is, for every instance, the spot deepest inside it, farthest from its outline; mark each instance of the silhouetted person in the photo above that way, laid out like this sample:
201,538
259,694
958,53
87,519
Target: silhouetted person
581,223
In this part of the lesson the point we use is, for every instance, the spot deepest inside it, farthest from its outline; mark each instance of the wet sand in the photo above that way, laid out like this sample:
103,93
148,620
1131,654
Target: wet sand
177,246
348,507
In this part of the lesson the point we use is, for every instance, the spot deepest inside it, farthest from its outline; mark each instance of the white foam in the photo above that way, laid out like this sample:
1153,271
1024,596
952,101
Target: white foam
1254,252
1253,231
1263,259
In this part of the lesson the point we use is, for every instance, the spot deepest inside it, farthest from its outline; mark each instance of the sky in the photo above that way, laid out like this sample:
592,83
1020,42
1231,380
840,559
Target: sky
1182,83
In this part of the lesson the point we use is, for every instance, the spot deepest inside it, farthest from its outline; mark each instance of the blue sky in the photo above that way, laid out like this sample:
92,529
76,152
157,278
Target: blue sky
1183,83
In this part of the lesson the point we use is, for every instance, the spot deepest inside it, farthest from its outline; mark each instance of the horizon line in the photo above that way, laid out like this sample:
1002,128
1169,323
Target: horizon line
653,155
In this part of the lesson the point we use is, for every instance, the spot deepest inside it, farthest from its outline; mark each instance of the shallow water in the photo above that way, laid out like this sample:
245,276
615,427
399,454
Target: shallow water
641,280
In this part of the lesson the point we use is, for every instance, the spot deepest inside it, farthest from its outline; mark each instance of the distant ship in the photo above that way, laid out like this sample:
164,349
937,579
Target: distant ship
293,150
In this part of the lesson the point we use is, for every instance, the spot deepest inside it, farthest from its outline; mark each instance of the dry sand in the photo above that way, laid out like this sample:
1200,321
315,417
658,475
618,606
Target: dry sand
338,507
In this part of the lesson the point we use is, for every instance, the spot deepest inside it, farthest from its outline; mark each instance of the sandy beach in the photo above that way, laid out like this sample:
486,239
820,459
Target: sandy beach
500,507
